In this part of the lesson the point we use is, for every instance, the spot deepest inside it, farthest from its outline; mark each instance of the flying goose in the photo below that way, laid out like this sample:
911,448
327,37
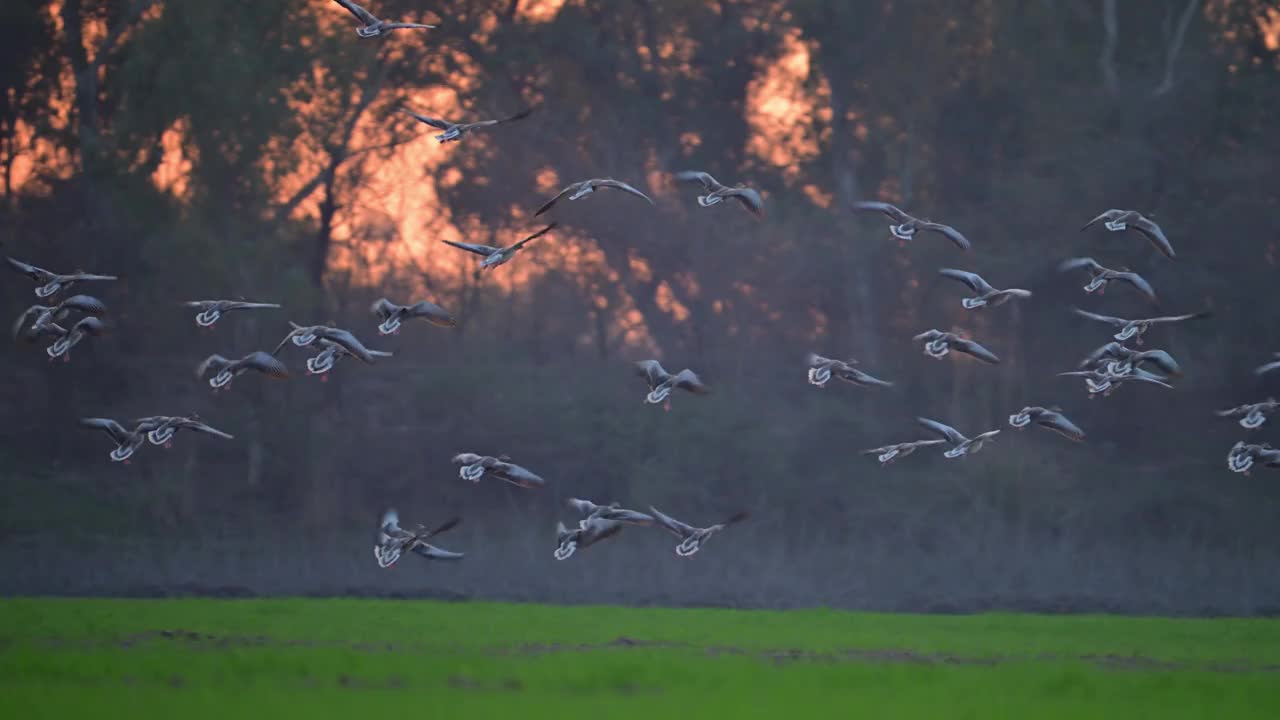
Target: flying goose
661,382
987,296
889,453
51,283
211,310
612,512
224,370
86,327
1100,276
336,343
169,426
371,26
392,315
1051,418
937,344
716,193
40,316
1253,415
1118,220
392,540
588,533
960,445
1119,360
691,538
495,256
905,226
1243,456
127,441
586,187
1104,382
1268,367
821,370
334,350
476,466
1136,328
454,131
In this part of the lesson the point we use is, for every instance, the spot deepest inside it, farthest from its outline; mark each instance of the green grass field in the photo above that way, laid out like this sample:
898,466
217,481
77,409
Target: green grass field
359,658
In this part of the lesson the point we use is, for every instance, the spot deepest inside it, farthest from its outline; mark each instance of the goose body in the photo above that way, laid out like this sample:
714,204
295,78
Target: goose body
1049,418
905,226
36,320
938,344
66,339
332,350
1119,360
392,540
984,294
587,187
1135,329
225,370
1120,220
51,283
476,466
1100,277
589,532
715,192
127,441
960,444
1243,456
167,427
1104,381
691,538
495,256
822,369
1253,415
454,132
210,311
661,382
392,315
888,453
1268,367
371,26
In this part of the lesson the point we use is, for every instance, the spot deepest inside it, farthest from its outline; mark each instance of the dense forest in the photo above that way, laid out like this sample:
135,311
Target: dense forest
256,149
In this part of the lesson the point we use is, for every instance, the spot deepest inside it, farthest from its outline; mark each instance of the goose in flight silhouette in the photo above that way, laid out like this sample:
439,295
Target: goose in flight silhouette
1121,220
371,26
906,226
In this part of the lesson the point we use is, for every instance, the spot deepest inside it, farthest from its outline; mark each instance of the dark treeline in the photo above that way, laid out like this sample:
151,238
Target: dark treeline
1014,120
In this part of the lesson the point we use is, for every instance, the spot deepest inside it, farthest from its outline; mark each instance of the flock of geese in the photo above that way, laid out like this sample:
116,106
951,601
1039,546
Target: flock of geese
1103,370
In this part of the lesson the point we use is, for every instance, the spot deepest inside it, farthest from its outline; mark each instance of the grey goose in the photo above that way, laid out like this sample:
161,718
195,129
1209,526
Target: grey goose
938,344
716,192
1103,382
371,26
986,295
1119,359
392,540
1253,415
167,427
36,318
225,370
691,538
210,311
905,226
1120,220
1268,367
960,444
476,466
454,132
588,533
1244,456
68,338
49,282
1100,277
822,369
495,256
587,187
614,512
1136,328
1050,418
888,453
392,315
127,441
333,350
661,382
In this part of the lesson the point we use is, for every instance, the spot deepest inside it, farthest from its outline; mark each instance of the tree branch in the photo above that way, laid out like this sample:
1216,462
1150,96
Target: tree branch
1174,47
